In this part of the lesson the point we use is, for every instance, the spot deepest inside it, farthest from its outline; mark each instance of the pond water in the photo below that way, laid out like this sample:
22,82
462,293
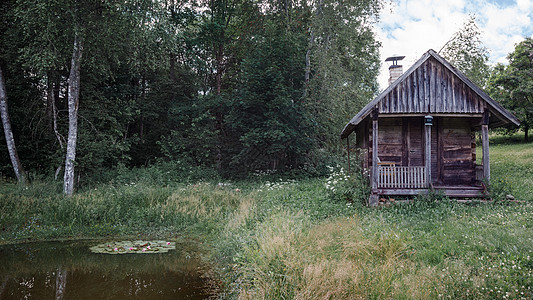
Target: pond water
69,270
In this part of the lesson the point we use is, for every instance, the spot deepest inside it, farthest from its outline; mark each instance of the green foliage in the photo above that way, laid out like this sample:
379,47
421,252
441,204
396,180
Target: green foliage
432,197
266,114
289,238
160,173
343,65
217,84
190,136
345,187
466,52
512,85
499,189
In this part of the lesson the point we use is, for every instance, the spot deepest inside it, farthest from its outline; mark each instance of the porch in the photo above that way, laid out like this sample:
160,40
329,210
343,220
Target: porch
412,180
415,155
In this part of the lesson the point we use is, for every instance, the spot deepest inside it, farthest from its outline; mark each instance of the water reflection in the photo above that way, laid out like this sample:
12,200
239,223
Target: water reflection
68,270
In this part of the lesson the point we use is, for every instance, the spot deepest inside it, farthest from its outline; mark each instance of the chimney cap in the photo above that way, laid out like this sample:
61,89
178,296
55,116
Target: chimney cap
394,58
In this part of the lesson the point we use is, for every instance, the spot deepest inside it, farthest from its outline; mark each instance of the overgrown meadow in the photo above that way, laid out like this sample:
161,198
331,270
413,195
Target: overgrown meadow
276,237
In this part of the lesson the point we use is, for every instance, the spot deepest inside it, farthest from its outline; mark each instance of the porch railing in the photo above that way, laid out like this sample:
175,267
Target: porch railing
401,177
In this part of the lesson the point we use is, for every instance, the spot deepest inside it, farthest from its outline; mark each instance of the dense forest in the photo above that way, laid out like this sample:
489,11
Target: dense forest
236,86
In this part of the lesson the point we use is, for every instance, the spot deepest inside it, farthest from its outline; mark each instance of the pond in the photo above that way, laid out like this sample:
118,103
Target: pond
69,270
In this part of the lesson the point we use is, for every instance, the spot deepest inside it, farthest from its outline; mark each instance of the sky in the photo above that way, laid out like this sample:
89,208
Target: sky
411,27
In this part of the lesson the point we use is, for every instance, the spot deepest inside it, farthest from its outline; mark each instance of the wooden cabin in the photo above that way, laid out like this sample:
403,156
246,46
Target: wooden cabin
419,134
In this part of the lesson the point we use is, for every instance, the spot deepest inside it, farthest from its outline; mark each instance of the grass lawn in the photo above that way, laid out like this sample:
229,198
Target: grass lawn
512,165
288,239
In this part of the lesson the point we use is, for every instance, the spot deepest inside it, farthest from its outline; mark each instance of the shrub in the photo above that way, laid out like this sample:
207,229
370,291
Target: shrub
346,187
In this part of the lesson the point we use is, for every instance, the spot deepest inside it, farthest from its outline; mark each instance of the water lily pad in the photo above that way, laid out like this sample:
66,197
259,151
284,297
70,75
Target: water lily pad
124,247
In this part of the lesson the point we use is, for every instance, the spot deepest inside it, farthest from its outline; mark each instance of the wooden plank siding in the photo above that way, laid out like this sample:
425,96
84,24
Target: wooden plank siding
435,154
401,143
434,86
416,142
458,163
397,147
390,144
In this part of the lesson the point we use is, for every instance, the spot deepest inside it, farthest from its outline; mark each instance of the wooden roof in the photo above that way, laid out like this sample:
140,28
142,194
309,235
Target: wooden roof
433,86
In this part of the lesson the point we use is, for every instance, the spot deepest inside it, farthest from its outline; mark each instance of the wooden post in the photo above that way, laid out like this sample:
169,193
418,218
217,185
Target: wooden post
485,146
427,151
348,149
373,201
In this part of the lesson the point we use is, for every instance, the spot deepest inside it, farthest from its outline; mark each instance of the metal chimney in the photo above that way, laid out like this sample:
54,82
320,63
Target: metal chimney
395,70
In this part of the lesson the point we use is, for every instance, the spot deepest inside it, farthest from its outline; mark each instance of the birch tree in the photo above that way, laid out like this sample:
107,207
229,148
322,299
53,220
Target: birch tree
15,161
342,63
465,51
73,103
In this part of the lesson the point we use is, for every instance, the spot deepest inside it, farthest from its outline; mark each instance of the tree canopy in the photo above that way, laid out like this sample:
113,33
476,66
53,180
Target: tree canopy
234,85
512,85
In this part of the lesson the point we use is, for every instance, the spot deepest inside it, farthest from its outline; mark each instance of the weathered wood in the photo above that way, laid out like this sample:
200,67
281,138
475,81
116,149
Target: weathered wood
416,99
427,152
390,143
455,152
348,151
435,152
375,138
473,115
462,192
485,148
373,200
401,177
415,148
366,145
438,89
438,150
405,142
479,172
431,88
405,100
408,157
433,85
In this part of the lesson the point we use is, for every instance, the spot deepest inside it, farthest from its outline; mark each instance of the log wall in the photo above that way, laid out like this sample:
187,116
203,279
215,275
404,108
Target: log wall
456,142
401,142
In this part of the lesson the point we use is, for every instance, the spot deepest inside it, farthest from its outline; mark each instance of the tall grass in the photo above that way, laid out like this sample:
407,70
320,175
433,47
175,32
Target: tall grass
414,251
334,259
288,239
109,210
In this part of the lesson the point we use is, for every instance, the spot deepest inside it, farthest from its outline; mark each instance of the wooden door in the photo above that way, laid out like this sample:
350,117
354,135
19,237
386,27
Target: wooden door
455,151
414,149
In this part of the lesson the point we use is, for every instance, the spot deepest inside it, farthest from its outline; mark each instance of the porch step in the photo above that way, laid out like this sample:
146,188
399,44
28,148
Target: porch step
450,191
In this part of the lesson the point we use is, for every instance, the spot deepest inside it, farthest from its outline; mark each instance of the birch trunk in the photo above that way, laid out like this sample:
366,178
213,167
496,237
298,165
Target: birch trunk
61,283
308,61
73,101
10,141
310,48
52,95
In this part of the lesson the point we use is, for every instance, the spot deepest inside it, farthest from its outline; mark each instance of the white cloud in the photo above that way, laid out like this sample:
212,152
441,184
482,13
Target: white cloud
411,27
525,5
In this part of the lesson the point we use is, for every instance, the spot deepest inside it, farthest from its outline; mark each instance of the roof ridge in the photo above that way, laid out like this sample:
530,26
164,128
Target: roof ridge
363,113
